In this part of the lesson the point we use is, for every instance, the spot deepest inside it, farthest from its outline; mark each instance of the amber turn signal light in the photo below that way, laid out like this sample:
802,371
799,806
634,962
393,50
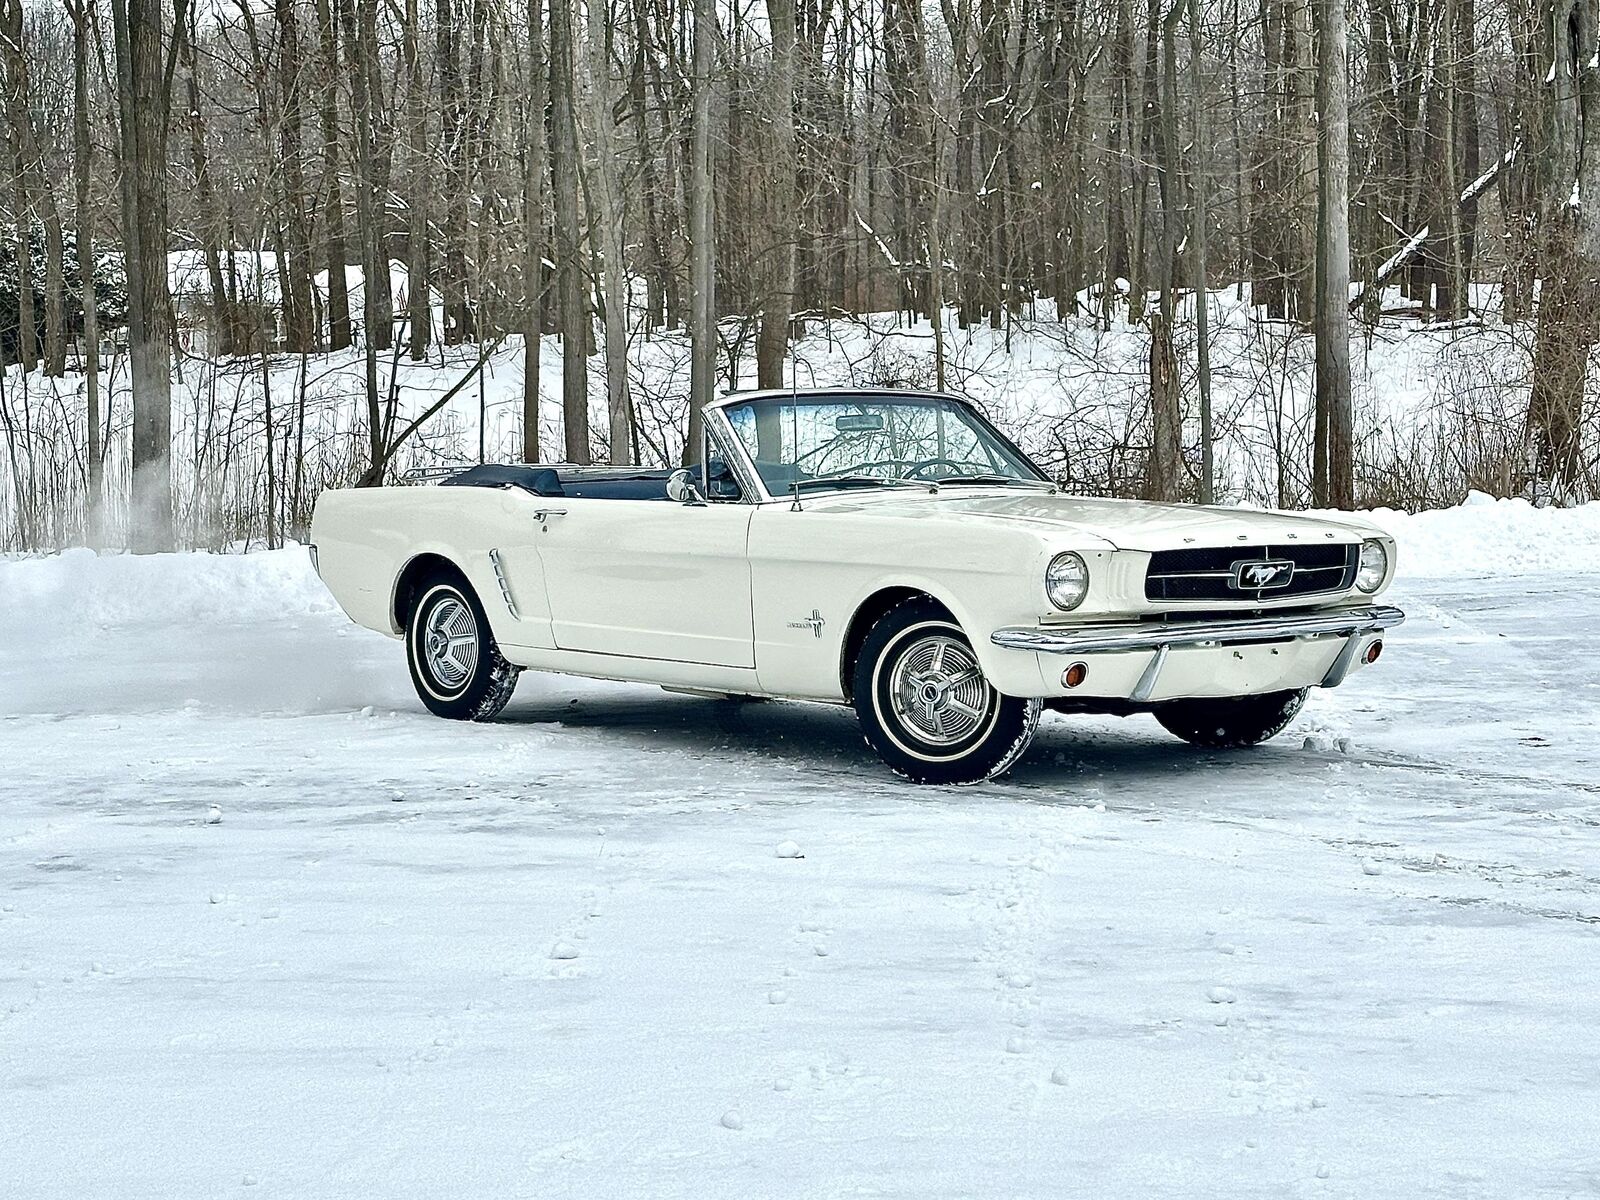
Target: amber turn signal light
1075,674
1374,651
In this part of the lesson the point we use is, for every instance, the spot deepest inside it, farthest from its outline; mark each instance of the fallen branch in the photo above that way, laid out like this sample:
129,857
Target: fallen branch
1393,265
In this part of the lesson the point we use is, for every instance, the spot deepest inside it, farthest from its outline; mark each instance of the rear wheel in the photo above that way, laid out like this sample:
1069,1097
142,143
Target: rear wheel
1231,722
925,706
456,667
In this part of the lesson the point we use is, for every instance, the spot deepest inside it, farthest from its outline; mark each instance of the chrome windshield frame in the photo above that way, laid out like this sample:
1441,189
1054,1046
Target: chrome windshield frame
745,467
715,428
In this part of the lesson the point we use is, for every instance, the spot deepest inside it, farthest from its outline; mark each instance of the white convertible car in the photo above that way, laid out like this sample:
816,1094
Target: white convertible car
889,550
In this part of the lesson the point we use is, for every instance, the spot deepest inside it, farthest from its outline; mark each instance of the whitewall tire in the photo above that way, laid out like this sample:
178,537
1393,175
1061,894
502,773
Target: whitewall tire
456,667
925,706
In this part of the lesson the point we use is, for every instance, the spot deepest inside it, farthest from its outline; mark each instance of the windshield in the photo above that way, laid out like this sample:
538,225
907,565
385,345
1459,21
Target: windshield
872,440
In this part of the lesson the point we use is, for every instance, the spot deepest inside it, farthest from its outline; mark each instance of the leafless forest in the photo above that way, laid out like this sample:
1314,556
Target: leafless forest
252,248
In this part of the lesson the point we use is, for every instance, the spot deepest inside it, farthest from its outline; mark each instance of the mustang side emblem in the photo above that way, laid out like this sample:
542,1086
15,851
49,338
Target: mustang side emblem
1262,576
814,623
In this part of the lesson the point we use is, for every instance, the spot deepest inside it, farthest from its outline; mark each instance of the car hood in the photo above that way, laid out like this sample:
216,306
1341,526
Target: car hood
1119,524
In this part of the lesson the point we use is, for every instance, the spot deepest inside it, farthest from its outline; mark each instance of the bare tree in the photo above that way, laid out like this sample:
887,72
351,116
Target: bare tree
353,23
1570,225
533,229
82,13
702,268
334,252
1334,449
301,322
570,290
611,216
778,304
144,103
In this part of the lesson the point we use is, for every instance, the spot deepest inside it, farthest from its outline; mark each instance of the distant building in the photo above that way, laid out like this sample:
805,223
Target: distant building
251,317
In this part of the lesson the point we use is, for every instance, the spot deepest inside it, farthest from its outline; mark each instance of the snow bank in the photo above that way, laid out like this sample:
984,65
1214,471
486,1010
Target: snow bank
40,597
1485,536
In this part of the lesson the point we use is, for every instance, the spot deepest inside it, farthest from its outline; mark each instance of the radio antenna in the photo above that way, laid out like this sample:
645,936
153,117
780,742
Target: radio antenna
794,409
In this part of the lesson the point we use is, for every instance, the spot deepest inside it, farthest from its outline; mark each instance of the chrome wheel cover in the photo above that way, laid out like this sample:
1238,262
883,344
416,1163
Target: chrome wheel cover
450,642
939,691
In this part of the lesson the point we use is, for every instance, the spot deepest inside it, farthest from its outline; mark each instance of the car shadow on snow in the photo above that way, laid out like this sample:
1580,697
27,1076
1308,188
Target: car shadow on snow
1129,754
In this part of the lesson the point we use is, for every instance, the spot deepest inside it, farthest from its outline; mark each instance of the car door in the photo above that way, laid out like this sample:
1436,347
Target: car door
650,579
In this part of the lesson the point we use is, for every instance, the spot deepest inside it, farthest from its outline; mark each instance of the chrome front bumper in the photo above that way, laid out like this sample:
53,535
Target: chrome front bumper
1350,623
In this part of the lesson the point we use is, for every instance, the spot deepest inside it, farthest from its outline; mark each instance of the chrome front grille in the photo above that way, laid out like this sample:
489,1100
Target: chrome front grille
1250,572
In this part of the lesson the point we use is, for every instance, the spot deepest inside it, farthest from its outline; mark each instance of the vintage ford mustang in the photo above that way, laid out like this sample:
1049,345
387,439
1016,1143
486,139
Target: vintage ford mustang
890,550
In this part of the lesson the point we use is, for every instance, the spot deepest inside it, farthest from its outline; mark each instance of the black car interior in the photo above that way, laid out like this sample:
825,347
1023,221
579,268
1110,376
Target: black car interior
589,483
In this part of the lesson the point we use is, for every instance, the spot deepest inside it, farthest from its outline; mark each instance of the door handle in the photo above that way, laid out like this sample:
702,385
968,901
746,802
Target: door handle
544,514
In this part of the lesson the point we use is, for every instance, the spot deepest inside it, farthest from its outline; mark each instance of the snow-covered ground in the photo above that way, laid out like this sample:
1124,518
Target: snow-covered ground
268,929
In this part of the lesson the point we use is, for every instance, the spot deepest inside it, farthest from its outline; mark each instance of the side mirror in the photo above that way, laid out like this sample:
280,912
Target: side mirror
681,487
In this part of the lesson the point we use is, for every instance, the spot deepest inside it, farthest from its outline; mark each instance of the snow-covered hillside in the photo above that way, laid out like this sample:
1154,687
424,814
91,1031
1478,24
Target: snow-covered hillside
267,929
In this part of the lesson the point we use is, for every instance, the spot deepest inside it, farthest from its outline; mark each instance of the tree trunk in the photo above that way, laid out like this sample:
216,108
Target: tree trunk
1570,228
702,260
142,103
653,265
572,294
419,309
334,252
352,24
300,325
1335,473
1197,253
778,302
1117,262
533,219
457,314
81,12
612,219
379,296
18,123
1161,133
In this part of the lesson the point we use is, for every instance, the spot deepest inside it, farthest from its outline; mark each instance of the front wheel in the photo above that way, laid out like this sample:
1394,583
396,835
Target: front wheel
925,706
457,668
1232,722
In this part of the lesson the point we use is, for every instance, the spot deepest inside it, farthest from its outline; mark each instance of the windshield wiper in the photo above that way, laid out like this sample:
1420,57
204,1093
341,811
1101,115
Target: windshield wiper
853,481
1007,480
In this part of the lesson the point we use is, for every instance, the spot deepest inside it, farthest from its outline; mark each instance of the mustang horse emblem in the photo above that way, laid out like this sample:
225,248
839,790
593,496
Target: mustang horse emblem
1259,576
814,623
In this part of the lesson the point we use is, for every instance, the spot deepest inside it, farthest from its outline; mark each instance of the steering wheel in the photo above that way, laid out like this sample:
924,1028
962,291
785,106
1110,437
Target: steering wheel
914,471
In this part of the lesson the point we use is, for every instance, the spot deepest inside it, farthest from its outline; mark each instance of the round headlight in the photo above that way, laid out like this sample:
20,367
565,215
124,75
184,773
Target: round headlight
1374,565
1066,581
